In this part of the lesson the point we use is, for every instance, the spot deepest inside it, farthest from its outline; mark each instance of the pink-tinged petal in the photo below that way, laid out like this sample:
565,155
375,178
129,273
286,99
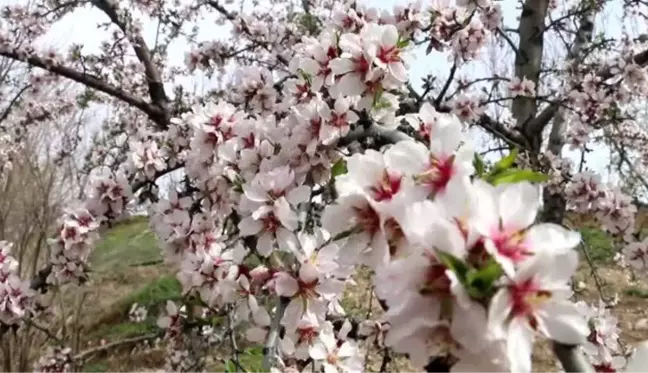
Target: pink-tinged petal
265,244
248,226
285,285
499,310
638,362
505,262
298,195
308,273
564,323
519,346
519,204
330,287
318,351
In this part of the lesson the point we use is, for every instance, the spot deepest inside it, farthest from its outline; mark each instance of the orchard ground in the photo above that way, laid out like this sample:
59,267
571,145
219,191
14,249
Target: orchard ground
127,269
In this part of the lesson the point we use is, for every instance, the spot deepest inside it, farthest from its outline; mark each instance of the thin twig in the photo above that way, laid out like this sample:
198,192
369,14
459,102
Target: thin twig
85,354
233,344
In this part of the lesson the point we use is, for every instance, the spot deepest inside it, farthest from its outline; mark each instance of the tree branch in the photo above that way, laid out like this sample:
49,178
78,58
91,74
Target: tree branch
270,349
88,80
571,358
153,77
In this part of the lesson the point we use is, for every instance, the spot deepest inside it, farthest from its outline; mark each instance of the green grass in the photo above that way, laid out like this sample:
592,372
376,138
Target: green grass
125,330
128,243
636,292
599,244
95,367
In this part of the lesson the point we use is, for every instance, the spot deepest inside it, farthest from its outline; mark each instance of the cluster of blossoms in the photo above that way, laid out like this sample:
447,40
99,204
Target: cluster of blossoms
613,209
602,347
56,360
78,230
187,347
15,294
137,313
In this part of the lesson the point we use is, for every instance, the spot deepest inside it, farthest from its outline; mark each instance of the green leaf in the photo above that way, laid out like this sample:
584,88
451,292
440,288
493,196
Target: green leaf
402,43
481,282
506,162
480,166
339,168
378,96
456,265
514,175
230,366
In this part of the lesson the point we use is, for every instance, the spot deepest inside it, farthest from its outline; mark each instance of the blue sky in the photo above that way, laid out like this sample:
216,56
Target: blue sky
81,27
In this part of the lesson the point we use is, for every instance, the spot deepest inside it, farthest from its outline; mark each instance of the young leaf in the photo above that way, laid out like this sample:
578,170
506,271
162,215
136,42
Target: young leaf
339,168
506,162
403,43
516,176
481,282
455,264
480,166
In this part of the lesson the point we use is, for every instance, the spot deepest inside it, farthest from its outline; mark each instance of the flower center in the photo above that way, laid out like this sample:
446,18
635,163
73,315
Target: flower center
511,244
527,297
387,187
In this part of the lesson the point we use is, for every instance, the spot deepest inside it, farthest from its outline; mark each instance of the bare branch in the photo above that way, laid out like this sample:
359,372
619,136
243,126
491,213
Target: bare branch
89,80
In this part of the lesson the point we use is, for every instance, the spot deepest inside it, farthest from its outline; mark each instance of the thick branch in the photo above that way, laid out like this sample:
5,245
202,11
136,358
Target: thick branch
153,77
270,349
376,132
88,80
571,358
529,59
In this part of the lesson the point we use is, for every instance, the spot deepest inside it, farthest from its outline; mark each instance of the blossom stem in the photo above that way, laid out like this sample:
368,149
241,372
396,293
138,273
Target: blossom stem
269,351
571,358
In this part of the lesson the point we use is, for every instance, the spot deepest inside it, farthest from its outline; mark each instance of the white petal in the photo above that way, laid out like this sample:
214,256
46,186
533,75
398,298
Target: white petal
389,36
350,84
341,66
407,156
347,350
564,323
552,238
318,351
298,195
256,334
519,204
498,312
265,244
285,214
287,240
285,285
519,346
248,226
